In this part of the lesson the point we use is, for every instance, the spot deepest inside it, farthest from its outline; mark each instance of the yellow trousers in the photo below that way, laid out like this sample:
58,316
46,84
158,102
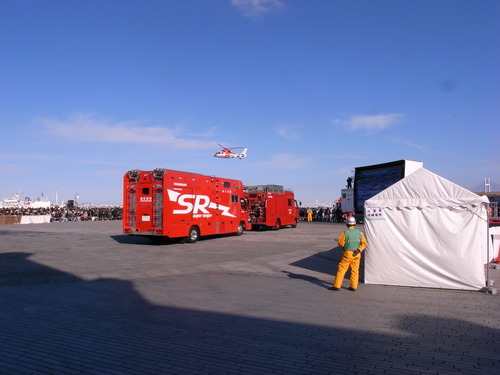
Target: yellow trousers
348,261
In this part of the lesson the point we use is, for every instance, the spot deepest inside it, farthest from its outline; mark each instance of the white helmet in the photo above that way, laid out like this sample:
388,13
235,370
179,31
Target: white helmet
351,220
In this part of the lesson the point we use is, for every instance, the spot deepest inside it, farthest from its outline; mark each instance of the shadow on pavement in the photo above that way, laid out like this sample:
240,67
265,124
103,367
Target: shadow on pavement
126,239
311,279
160,240
17,269
105,327
108,327
327,262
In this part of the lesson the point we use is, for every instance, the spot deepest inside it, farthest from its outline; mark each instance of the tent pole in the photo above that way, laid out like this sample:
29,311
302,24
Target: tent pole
490,284
488,247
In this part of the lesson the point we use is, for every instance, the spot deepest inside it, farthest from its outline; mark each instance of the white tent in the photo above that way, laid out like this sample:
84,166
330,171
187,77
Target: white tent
426,231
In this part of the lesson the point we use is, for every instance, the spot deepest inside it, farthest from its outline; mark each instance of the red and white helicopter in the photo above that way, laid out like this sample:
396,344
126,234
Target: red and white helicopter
227,153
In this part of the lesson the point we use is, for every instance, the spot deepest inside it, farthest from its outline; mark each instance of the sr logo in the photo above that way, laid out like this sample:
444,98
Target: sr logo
195,204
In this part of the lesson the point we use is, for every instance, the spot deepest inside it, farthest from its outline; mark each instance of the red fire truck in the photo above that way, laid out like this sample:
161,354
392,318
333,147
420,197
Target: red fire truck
271,206
174,204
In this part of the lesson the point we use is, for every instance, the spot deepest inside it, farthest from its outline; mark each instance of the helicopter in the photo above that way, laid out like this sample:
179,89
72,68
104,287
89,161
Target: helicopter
227,153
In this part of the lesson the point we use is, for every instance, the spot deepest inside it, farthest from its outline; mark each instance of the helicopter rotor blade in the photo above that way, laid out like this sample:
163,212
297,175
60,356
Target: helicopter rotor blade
229,148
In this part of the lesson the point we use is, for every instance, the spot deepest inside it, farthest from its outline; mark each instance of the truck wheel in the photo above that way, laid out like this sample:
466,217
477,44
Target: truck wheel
241,229
278,225
193,235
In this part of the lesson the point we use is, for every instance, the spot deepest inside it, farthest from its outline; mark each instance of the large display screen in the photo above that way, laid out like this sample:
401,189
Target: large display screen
369,181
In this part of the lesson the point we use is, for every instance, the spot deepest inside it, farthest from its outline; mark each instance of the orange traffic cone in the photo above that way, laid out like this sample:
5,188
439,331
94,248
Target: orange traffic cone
497,259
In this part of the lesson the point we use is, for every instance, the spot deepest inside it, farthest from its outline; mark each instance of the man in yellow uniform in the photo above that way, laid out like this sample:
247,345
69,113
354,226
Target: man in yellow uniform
354,242
309,214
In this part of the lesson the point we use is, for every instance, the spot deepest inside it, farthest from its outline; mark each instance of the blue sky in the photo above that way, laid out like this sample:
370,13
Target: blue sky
91,89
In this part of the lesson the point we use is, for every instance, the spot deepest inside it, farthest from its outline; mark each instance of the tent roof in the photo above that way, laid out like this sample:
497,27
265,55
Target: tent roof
423,188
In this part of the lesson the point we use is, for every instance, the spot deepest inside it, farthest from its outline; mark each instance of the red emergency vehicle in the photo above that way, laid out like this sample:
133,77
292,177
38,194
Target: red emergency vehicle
174,204
271,206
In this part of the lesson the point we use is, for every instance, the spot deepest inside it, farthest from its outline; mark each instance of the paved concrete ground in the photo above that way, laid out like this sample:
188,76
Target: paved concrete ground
80,298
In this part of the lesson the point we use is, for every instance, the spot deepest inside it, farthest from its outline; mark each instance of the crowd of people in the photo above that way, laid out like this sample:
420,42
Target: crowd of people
68,213
76,213
332,214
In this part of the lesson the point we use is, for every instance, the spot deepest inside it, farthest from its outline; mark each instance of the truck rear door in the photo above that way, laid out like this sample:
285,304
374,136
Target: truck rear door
144,208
